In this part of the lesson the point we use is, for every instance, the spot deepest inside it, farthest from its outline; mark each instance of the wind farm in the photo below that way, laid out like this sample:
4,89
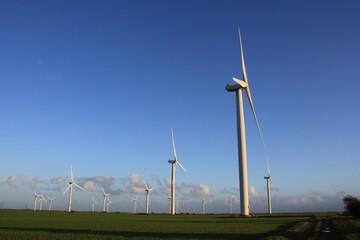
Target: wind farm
131,96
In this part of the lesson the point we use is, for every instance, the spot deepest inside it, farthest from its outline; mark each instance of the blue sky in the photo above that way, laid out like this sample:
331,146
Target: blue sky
99,85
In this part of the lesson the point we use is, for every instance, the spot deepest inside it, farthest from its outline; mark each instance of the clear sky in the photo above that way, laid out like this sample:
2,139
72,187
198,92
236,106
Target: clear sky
99,84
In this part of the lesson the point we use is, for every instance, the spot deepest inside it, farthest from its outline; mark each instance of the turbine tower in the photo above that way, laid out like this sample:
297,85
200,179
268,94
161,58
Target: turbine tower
70,187
105,195
135,202
50,202
41,200
108,204
169,198
243,174
93,204
268,187
36,199
147,190
230,203
203,204
174,163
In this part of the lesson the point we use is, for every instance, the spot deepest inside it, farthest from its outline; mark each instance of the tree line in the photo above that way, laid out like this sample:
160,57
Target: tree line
352,206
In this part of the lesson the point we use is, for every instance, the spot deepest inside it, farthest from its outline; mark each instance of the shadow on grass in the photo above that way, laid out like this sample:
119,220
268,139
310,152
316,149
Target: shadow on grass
127,234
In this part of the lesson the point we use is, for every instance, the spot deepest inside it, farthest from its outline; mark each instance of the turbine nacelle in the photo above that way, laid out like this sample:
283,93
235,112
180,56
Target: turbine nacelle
232,88
172,161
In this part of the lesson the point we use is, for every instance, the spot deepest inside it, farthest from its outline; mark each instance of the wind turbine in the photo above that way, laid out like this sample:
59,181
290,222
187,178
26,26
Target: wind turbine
169,197
93,204
238,88
268,181
203,204
135,202
41,200
177,206
70,187
36,199
147,190
50,202
108,204
105,195
174,163
230,203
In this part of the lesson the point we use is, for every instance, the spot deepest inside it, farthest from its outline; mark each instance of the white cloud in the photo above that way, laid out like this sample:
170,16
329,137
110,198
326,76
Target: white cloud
253,192
194,190
22,181
89,186
98,182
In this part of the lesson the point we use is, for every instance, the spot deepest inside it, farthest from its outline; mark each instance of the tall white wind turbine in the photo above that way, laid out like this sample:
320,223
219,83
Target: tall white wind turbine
177,210
174,163
203,204
108,204
41,200
169,198
243,174
93,204
147,190
105,195
50,202
268,187
36,199
70,188
230,203
135,202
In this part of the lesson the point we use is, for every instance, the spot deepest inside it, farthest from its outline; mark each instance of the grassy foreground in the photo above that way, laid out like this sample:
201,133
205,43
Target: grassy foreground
347,227
81,225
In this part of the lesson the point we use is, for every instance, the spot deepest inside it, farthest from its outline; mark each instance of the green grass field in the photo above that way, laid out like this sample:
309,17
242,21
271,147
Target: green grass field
81,225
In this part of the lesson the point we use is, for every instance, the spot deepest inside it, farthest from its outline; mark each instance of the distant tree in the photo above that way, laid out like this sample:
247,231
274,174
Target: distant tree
352,205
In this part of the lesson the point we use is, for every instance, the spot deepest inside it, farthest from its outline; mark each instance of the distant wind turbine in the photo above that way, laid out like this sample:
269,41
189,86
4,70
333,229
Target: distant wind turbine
203,204
105,195
93,204
147,190
169,197
108,204
230,203
174,163
268,182
36,199
135,202
243,174
41,200
50,202
177,206
70,187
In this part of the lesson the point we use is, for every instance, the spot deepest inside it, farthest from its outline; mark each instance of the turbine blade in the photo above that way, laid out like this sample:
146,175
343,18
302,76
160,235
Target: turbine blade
242,57
247,88
72,175
178,163
242,83
254,113
151,188
269,174
67,189
79,186
147,188
173,143
103,191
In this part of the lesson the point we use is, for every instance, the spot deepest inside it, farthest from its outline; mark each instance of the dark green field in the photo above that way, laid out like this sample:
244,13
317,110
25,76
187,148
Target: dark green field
60,225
